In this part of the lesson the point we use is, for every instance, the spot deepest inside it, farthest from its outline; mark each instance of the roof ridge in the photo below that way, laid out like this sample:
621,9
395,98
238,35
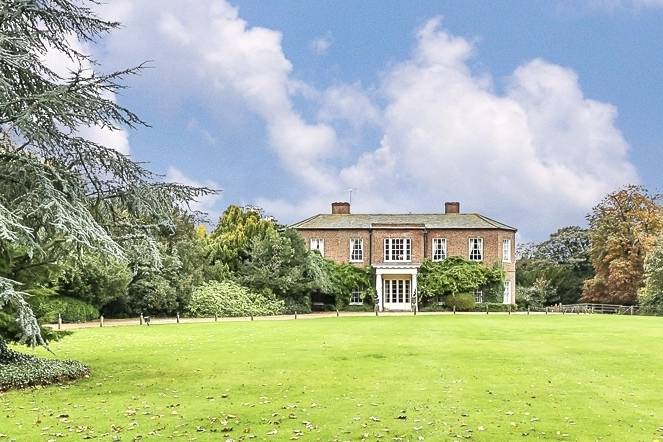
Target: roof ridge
495,223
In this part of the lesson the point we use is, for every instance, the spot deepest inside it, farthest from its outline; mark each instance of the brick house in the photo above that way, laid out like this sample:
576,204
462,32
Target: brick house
395,245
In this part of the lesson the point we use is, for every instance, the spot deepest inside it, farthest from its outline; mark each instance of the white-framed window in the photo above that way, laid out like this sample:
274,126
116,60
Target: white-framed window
478,296
439,249
356,250
355,297
506,250
476,249
397,249
319,245
507,292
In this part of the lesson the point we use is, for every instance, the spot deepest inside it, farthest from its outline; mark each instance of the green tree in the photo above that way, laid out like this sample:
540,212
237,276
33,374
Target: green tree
563,260
651,296
60,193
624,227
94,280
238,228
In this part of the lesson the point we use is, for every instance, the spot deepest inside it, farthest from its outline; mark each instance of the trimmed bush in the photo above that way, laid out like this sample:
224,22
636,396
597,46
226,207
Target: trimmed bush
18,370
464,302
72,310
494,307
227,298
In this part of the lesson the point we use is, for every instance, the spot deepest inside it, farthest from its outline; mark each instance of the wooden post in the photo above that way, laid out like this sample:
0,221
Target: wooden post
376,311
337,313
252,316
101,321
295,314
177,317
546,311
528,310
216,317
59,321
509,309
454,309
140,321
486,308
631,310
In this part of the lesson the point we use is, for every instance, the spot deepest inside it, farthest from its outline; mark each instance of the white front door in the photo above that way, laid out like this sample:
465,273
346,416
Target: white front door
397,294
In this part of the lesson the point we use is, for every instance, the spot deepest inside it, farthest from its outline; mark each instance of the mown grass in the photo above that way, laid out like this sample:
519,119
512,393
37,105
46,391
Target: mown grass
492,377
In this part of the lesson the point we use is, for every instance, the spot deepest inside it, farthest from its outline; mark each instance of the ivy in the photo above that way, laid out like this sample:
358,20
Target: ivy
457,275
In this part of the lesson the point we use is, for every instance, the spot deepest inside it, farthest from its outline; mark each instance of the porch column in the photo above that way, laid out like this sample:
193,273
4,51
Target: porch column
414,290
378,288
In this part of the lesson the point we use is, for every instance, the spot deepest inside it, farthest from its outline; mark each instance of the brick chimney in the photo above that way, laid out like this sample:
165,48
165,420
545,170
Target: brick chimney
452,207
340,208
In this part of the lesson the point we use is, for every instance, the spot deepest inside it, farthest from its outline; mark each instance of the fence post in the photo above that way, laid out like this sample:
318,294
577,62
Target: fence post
454,309
337,313
177,317
216,317
546,311
486,309
295,314
101,321
141,319
631,310
509,309
528,310
59,321
252,316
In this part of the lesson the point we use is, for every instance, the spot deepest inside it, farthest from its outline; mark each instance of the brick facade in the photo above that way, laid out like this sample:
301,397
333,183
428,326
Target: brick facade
339,228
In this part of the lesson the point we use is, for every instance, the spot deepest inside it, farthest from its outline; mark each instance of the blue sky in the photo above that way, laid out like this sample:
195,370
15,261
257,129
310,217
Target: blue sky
526,111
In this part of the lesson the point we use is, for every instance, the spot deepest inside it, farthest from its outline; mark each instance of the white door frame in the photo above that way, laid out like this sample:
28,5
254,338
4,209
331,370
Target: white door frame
393,271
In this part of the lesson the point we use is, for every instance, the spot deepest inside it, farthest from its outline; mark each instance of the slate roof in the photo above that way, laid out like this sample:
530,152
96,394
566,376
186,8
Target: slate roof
428,221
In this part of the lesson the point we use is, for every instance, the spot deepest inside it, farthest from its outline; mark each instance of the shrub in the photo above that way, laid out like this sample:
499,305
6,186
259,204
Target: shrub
18,370
462,301
228,298
152,294
291,306
495,307
72,310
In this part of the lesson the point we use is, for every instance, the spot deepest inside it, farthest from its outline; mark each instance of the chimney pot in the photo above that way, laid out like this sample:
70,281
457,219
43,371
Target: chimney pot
452,207
340,208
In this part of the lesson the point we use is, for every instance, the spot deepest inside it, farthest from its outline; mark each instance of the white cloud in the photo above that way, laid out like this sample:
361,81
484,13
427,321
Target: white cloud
348,103
613,5
537,155
321,45
214,54
206,203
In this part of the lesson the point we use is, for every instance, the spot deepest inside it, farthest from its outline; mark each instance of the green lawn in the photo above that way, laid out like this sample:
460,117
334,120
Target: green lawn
417,378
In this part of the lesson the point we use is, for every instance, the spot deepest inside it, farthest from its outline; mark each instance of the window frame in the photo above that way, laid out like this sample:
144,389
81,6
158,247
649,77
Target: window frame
361,249
506,245
478,296
470,249
506,296
443,241
359,292
388,250
321,245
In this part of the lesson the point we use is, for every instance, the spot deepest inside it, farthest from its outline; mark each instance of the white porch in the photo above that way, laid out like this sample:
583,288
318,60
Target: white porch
396,287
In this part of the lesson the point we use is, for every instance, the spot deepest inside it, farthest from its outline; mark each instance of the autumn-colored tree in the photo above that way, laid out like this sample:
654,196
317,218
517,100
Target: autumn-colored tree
624,227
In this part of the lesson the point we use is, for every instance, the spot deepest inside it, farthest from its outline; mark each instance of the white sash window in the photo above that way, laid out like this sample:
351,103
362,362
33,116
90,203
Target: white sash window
356,250
476,249
506,250
397,249
319,245
439,249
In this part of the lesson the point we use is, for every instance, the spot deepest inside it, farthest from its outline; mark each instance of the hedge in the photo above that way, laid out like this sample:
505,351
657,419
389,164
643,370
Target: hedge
18,370
72,310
